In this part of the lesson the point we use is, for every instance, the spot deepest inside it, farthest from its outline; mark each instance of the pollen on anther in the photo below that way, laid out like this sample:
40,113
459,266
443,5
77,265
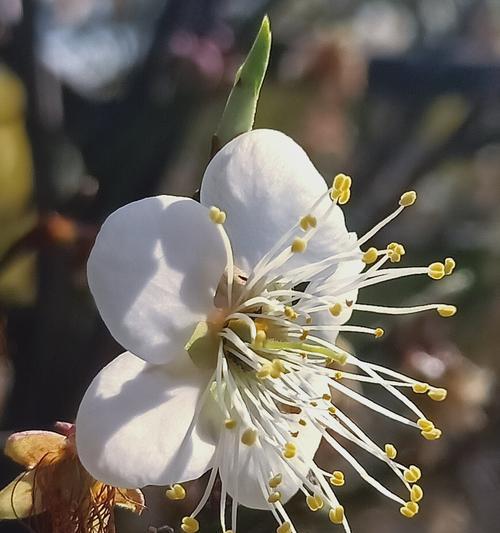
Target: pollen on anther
274,497
190,525
446,310
449,265
285,527
424,424
275,481
337,479
432,434
289,450
216,215
436,270
298,245
390,451
249,437
420,388
176,492
336,514
416,493
314,502
412,474
230,423
335,309
307,222
370,256
408,198
437,394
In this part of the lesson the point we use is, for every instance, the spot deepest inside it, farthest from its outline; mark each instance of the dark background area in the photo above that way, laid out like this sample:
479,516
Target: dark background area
122,100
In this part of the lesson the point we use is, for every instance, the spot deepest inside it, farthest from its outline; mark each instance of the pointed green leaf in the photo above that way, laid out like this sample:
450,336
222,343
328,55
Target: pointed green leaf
239,113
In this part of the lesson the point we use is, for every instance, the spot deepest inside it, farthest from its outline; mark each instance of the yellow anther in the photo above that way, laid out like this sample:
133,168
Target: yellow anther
437,394
260,339
275,481
278,368
315,503
413,507
326,397
344,197
449,265
408,198
289,450
313,404
412,474
302,422
274,497
304,334
176,492
290,313
308,221
370,256
336,514
299,245
341,189
420,388
390,451
285,527
436,270
395,251
432,434
416,493
230,423
338,375
190,525
338,182
335,309
332,410
264,371
337,479
309,320
249,437
347,183
424,424
216,215
446,310
406,512
378,332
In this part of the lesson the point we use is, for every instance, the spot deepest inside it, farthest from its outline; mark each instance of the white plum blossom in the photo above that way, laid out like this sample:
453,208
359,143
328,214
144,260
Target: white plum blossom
230,310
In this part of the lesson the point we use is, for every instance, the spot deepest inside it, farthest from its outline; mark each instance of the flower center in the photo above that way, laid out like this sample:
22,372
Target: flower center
277,371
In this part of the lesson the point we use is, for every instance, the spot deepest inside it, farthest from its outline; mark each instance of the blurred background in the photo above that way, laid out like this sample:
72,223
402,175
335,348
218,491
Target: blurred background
106,101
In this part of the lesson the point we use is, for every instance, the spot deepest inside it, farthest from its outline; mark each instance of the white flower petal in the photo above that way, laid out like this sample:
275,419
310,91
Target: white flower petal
135,424
153,272
265,182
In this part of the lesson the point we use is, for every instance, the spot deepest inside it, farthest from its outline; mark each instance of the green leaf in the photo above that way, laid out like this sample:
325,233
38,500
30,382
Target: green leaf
239,113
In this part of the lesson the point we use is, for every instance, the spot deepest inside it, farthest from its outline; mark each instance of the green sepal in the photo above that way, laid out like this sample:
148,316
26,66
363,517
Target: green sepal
203,346
239,113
